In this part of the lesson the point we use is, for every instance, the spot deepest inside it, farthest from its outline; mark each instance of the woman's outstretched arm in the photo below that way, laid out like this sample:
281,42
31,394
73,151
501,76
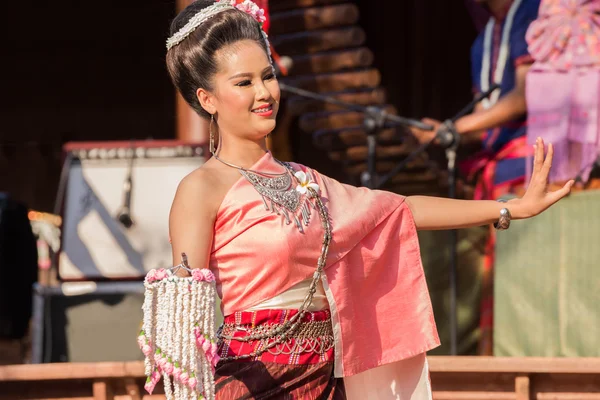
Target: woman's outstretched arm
432,213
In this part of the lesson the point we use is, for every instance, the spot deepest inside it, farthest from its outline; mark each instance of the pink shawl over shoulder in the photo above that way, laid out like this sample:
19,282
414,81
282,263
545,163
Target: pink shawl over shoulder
374,280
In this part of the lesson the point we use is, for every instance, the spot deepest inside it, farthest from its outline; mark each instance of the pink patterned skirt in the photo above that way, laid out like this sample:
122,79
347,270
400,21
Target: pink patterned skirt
299,368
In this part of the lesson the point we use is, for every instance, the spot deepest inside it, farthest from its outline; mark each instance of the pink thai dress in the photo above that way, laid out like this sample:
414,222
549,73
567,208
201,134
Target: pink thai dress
373,287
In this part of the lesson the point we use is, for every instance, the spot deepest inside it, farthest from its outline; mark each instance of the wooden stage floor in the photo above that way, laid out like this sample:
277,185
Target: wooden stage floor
453,378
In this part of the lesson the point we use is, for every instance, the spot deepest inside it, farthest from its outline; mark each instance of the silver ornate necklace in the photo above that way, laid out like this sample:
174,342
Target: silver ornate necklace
279,194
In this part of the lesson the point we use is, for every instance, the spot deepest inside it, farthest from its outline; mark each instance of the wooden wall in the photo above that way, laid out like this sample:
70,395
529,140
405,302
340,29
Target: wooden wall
422,48
78,70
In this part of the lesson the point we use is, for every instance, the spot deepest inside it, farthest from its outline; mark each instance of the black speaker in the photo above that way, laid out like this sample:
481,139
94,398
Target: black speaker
92,327
18,268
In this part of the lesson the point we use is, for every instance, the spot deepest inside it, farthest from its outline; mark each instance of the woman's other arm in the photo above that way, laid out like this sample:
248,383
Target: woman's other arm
431,213
192,219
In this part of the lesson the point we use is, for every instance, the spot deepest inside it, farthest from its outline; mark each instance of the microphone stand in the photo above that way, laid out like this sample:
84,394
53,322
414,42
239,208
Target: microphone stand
374,121
453,280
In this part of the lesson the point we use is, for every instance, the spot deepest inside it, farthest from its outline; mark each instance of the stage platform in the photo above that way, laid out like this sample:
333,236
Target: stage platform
453,378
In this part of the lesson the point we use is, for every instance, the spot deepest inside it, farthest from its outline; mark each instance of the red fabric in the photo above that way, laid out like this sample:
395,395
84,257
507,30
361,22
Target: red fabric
486,162
264,4
270,317
524,60
270,381
306,376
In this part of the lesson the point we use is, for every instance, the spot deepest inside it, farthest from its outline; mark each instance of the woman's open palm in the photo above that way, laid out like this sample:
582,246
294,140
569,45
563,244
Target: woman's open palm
537,198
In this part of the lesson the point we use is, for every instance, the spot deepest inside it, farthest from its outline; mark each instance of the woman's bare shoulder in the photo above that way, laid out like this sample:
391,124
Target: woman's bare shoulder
204,188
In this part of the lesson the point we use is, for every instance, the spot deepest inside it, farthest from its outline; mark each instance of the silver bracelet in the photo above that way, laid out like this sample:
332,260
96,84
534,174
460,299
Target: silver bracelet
504,221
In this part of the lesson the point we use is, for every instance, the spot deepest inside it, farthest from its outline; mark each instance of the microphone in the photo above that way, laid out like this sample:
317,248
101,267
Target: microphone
124,215
447,135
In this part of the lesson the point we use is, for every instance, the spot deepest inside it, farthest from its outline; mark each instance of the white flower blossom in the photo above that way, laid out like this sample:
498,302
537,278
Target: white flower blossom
304,183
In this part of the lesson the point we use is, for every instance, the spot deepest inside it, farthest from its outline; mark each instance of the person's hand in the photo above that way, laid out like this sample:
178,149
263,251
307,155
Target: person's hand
537,198
425,136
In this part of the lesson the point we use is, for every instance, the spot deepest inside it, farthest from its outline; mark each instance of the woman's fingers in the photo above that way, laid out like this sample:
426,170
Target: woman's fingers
538,158
538,162
547,163
560,193
537,190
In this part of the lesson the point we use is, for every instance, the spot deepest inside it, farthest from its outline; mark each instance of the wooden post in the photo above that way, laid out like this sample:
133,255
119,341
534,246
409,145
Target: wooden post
190,127
522,389
132,389
102,390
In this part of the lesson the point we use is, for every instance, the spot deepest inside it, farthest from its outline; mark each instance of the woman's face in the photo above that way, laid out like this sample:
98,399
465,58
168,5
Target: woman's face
245,95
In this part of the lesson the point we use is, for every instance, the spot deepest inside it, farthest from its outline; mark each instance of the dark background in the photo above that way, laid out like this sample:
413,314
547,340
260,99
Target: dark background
91,71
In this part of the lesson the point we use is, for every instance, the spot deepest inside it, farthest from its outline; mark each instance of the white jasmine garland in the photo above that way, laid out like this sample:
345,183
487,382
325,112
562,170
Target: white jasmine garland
211,295
198,360
161,321
192,362
146,332
185,365
177,344
173,307
171,341
168,384
171,325
204,365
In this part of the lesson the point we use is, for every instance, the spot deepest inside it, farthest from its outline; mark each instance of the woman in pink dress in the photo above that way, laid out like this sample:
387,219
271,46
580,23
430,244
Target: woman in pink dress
321,283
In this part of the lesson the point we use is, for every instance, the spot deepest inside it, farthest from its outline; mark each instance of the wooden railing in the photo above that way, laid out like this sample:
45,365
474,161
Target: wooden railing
81,381
453,378
500,378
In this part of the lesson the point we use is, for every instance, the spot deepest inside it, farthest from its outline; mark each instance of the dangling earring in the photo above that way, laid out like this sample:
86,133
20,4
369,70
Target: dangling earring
211,144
